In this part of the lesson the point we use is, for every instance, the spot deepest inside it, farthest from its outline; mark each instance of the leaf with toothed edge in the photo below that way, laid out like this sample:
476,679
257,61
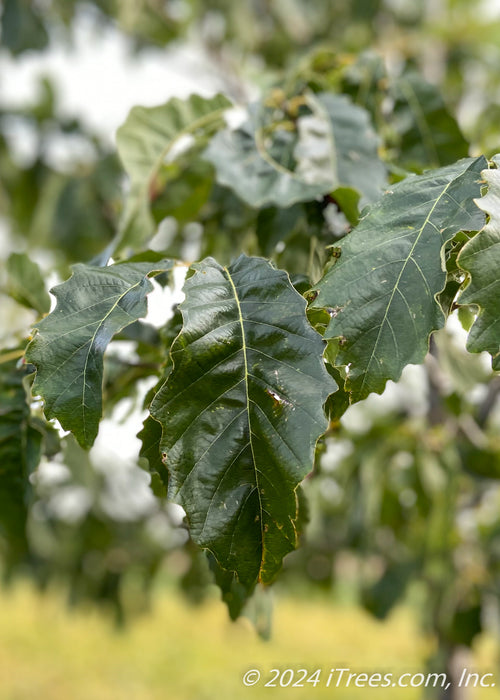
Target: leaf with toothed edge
480,257
381,291
241,412
67,350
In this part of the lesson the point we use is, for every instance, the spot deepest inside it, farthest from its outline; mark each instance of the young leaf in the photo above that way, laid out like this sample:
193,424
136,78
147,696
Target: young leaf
481,259
382,290
241,412
340,150
69,344
144,141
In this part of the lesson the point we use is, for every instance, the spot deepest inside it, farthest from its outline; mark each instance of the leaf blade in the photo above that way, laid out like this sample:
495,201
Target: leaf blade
385,314
69,344
342,147
242,376
480,257
143,142
25,283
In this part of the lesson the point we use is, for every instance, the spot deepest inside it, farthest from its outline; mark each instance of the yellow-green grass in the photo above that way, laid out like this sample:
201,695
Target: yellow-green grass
185,653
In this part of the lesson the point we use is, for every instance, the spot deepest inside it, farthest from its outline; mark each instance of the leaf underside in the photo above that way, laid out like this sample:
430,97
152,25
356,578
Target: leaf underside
481,259
241,412
69,344
342,152
382,290
143,142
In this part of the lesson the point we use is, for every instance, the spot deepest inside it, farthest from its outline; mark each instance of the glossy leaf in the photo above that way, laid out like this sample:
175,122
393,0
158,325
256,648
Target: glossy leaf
336,147
381,292
69,344
481,259
241,412
146,139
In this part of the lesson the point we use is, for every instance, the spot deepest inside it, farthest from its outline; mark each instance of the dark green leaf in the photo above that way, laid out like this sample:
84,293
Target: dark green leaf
382,289
68,347
22,28
390,588
150,436
427,134
20,449
241,412
275,224
234,594
481,259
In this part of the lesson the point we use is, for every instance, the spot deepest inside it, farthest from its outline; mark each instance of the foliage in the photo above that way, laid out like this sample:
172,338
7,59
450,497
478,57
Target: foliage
336,229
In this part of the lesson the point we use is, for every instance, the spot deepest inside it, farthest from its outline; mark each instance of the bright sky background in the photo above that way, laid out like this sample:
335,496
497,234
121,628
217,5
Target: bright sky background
99,79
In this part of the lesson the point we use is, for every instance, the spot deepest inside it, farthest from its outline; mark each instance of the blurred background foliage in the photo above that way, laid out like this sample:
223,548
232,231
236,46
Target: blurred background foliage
404,504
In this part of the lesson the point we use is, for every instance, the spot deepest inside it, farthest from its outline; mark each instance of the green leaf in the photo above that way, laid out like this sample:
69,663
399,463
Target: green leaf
25,283
481,259
150,437
22,27
146,139
382,290
241,412
427,134
185,186
243,163
353,149
336,147
234,594
20,449
75,213
69,344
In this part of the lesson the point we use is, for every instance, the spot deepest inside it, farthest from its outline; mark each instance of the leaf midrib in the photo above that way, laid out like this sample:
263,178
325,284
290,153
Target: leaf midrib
250,432
396,286
99,326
